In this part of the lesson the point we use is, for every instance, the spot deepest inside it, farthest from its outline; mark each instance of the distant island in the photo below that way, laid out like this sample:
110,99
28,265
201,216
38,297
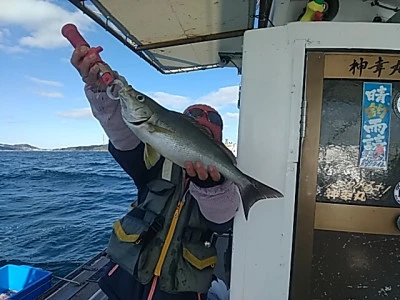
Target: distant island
27,147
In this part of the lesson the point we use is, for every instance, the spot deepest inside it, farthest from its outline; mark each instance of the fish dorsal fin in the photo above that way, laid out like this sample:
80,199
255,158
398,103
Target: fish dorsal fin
227,151
220,144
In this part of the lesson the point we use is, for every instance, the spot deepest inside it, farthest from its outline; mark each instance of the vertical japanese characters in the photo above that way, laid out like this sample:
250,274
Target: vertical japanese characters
374,142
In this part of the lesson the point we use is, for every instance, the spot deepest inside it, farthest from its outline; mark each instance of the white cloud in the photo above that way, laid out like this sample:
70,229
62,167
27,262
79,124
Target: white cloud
230,120
12,49
225,96
50,94
178,103
42,20
4,32
4,36
170,101
231,115
44,81
81,113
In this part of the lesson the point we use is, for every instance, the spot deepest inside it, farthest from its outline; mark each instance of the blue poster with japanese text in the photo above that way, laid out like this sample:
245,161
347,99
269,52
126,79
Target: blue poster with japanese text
375,126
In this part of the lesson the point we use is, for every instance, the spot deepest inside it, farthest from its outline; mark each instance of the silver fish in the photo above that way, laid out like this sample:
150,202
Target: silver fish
180,138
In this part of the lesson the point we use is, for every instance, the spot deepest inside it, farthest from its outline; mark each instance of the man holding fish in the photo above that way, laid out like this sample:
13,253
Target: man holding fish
189,188
164,248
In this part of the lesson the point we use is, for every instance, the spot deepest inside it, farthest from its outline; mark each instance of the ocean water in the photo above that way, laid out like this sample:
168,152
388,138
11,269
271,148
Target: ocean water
57,208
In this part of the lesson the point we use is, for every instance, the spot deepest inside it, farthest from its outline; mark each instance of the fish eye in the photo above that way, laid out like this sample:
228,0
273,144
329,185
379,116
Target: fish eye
140,98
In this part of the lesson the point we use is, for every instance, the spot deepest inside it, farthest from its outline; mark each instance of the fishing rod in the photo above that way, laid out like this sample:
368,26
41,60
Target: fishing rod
71,33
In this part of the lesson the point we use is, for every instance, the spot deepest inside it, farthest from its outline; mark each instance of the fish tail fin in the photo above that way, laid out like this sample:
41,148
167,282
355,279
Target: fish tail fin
253,190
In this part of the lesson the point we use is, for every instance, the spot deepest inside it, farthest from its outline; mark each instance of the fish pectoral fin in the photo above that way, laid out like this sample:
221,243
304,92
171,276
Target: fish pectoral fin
151,156
156,128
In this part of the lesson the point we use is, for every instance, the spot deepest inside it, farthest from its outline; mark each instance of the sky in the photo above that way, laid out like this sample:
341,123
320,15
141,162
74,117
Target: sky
42,102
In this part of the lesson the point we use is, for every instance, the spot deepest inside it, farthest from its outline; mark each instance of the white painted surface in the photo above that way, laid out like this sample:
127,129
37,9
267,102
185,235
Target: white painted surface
269,137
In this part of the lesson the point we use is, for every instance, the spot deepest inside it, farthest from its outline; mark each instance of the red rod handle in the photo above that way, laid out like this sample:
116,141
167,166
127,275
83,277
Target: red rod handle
71,33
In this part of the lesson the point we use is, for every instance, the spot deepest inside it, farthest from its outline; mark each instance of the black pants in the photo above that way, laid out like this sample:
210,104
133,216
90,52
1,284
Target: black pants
122,286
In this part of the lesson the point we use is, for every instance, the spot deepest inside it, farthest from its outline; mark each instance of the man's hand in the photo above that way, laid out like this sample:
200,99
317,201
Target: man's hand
86,69
197,169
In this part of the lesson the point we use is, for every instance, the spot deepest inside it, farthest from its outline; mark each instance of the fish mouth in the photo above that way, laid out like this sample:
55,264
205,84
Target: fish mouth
137,123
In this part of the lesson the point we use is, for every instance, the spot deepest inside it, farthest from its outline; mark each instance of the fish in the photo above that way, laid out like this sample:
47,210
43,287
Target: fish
180,138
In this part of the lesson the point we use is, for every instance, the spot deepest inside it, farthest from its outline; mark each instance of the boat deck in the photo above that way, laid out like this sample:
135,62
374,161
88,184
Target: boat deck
82,283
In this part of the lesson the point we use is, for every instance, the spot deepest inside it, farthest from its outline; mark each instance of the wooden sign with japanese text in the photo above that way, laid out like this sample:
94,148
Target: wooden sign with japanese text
362,66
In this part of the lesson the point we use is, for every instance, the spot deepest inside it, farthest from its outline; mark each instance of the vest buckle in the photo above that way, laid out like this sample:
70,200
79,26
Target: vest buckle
155,227
157,224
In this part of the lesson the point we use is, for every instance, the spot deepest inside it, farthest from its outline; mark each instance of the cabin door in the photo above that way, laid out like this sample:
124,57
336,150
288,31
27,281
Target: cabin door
347,229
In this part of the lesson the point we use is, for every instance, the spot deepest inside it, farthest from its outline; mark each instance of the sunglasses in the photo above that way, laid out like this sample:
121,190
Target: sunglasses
212,116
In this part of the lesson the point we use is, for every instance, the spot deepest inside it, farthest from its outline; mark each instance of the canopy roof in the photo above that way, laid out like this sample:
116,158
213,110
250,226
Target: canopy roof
178,35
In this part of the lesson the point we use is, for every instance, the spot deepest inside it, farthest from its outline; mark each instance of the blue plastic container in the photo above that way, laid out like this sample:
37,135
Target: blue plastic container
24,282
